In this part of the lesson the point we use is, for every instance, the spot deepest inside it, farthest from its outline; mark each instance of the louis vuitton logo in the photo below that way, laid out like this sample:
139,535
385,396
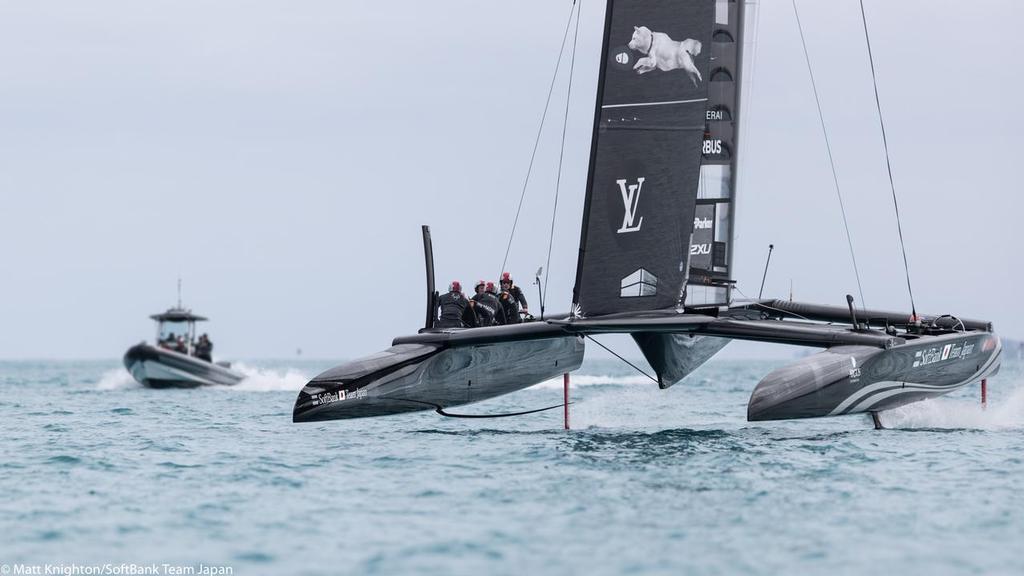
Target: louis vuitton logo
630,200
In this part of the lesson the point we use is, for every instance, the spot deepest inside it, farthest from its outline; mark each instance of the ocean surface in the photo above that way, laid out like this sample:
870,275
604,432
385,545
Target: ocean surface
97,470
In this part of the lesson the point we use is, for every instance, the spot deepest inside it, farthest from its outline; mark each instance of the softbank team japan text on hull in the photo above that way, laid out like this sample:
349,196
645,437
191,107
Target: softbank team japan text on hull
655,262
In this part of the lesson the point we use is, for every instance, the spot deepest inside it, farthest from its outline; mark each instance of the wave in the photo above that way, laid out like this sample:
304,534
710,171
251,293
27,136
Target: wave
116,380
268,380
256,379
1003,414
595,380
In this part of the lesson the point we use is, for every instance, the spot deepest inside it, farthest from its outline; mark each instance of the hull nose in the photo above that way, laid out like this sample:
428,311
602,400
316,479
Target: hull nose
317,403
354,389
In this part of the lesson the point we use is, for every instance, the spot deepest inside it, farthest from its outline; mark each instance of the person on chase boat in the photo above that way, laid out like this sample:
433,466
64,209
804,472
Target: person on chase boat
204,348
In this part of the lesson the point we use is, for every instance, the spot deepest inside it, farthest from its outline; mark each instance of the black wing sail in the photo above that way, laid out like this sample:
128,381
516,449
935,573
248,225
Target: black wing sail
646,156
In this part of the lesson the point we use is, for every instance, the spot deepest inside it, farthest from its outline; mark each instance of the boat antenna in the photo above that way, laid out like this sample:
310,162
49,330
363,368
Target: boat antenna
888,163
179,292
561,150
536,141
765,275
831,160
540,293
853,313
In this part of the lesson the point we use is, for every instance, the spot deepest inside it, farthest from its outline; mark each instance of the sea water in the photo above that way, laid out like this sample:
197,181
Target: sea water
97,470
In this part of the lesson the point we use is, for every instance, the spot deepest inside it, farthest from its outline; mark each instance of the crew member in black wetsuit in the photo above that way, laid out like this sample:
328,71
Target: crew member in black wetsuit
455,309
512,299
499,312
486,305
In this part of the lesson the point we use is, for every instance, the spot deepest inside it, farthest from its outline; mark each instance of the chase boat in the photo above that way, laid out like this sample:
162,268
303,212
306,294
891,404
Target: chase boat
173,362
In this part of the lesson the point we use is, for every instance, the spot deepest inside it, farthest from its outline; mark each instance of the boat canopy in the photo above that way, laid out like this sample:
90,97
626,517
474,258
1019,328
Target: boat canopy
178,315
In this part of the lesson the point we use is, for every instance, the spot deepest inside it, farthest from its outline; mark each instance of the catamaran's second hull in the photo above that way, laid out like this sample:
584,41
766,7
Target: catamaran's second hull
427,375
161,368
858,379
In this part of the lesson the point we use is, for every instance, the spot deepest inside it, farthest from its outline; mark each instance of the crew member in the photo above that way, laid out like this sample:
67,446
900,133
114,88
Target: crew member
454,308
499,311
515,298
486,305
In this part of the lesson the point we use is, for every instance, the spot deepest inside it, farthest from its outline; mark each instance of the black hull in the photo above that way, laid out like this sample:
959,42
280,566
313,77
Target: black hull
440,370
161,368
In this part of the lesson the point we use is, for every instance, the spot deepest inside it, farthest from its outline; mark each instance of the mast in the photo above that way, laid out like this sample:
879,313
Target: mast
710,282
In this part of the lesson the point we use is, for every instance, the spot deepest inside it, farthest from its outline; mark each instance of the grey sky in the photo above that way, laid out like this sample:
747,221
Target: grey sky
280,157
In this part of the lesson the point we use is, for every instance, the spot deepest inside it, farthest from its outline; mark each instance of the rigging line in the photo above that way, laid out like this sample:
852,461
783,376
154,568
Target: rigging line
536,142
888,163
561,152
747,116
440,410
634,366
831,160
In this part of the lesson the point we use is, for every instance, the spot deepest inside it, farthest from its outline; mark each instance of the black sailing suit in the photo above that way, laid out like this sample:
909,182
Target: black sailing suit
511,300
455,311
487,308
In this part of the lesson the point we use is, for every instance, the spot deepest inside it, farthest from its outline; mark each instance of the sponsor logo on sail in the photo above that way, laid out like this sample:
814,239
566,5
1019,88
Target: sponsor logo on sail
640,283
854,371
700,249
714,115
630,201
702,223
712,147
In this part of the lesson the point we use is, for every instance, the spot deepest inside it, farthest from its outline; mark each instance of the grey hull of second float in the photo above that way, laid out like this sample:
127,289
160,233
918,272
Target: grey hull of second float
861,379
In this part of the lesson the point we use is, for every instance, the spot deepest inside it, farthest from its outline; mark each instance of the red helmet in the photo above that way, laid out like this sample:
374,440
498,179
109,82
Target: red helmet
490,287
506,277
455,286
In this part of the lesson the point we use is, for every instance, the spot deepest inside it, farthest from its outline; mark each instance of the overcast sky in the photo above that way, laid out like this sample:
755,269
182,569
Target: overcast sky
280,158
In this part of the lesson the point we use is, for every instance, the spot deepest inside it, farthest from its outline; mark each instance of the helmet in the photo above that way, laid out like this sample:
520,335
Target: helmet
490,287
506,277
478,284
455,286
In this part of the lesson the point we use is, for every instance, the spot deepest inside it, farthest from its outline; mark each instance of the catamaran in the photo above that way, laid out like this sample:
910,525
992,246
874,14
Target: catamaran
655,262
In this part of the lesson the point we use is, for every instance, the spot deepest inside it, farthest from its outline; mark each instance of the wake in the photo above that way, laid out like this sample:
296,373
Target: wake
256,380
1002,413
118,379
593,380
267,380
